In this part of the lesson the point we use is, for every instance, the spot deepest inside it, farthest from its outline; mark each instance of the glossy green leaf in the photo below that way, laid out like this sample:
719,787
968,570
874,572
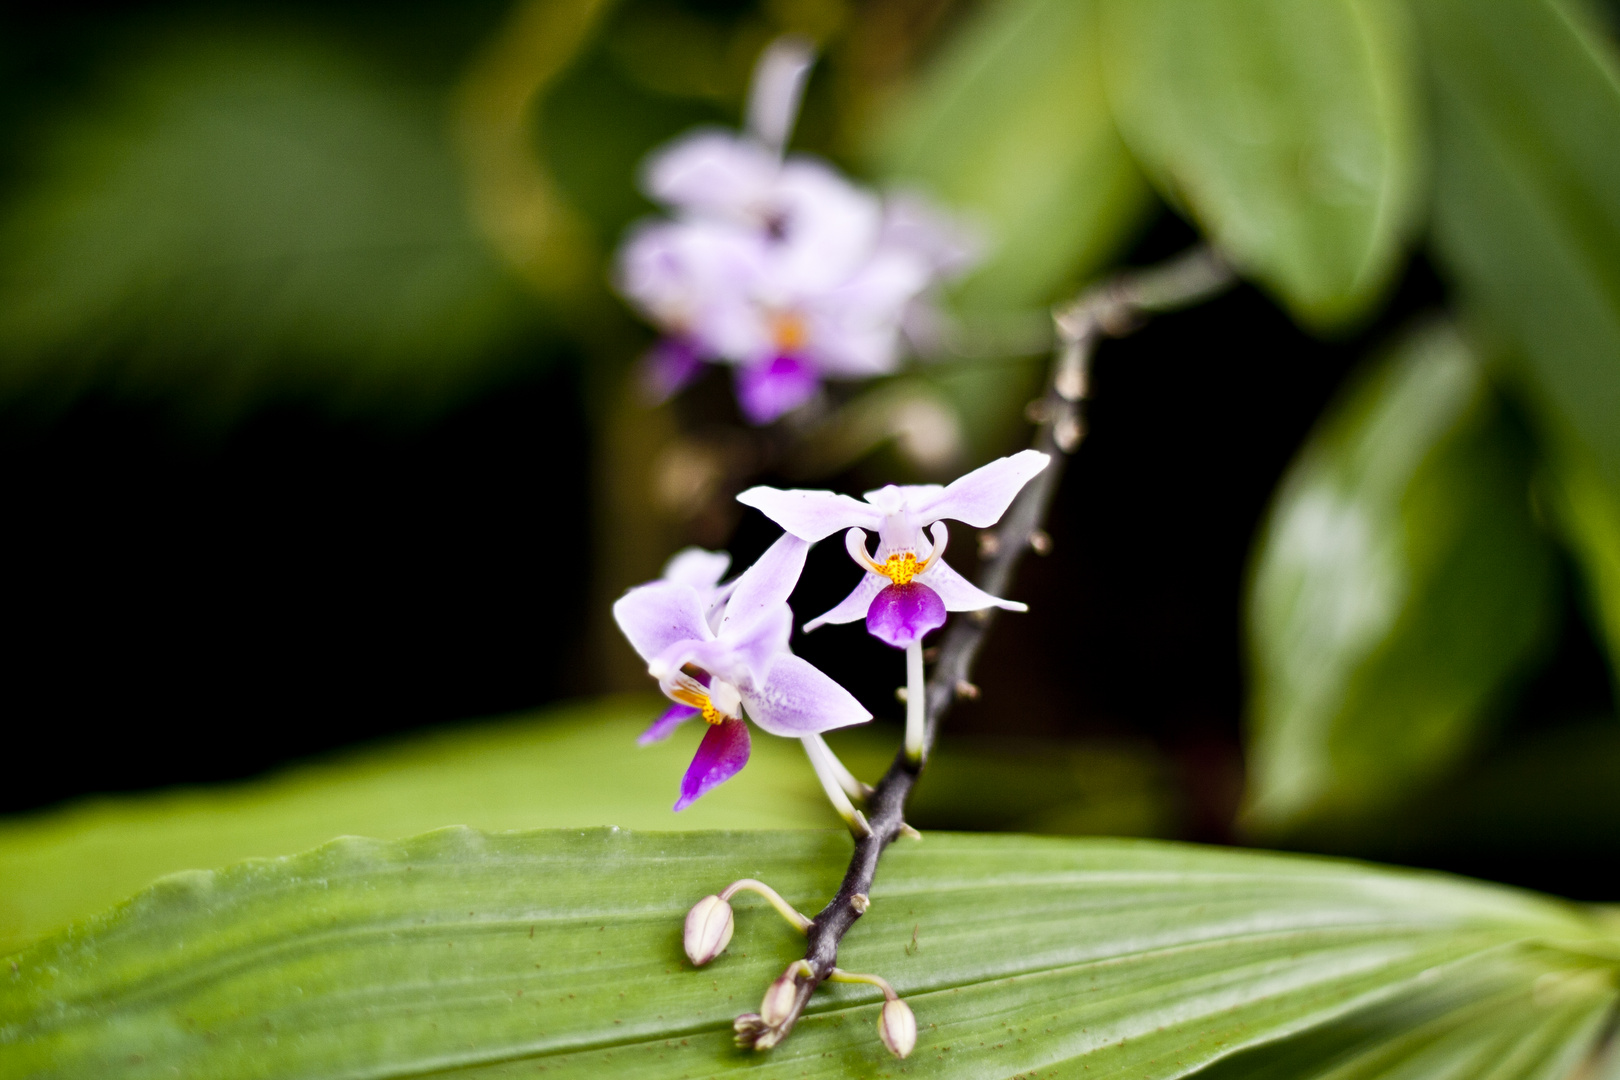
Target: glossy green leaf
1289,131
541,771
467,954
1527,202
1009,125
1401,584
244,216
544,770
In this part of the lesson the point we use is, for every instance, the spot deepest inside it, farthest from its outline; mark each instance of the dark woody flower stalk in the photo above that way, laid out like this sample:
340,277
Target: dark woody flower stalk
1113,309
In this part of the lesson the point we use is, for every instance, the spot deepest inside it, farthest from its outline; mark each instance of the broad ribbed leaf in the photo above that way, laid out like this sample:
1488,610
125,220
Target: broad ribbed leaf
461,953
1400,584
1289,131
573,767
1527,206
1010,126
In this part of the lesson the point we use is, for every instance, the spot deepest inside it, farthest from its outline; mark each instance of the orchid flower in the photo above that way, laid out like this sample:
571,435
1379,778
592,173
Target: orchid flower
907,587
777,266
738,665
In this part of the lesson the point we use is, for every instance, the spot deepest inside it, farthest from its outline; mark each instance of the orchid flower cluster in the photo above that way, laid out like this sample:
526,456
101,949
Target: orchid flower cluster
720,651
778,266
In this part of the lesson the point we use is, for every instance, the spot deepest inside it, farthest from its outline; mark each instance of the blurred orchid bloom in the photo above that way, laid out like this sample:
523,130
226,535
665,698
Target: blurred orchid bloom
778,267
736,666
908,587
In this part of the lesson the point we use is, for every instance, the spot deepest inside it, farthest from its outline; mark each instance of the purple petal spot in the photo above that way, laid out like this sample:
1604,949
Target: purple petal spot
663,727
723,752
667,367
766,391
901,614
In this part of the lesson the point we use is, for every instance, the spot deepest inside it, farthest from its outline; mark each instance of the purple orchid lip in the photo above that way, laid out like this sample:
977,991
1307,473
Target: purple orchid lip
668,367
766,391
721,755
902,614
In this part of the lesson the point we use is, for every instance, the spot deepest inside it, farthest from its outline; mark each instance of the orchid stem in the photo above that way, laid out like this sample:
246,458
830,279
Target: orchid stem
846,779
916,702
785,909
1112,309
831,772
840,975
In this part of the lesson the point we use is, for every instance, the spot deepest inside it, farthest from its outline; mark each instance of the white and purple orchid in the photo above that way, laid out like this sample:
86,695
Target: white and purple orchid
777,266
908,587
722,663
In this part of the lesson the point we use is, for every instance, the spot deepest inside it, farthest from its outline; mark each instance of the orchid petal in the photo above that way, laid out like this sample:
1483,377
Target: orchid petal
798,699
711,171
766,584
663,727
696,567
811,515
667,367
657,616
720,756
983,495
853,607
895,498
754,645
773,99
959,593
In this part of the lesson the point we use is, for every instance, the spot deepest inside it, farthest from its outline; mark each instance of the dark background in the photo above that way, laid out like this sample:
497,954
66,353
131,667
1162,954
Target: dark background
184,604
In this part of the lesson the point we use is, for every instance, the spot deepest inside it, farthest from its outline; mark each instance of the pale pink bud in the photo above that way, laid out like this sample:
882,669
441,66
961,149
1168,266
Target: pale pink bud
778,1003
708,929
897,1027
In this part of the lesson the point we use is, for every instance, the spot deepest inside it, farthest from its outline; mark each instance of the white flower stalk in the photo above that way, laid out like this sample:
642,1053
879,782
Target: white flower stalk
897,1025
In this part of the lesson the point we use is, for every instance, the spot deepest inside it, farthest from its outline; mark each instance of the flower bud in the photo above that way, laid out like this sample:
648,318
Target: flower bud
778,1003
897,1027
708,929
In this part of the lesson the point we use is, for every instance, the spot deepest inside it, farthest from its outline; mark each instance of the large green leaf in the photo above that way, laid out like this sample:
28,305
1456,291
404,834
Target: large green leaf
1288,130
538,771
467,954
1009,125
1527,206
1401,583
543,771
238,216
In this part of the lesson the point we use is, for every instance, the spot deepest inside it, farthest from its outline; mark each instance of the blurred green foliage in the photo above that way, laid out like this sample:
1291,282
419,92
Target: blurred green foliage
1289,131
1401,585
465,954
237,216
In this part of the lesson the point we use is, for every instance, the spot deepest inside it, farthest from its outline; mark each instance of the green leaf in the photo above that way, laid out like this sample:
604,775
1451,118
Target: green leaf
1009,125
474,955
239,217
1588,515
1289,131
540,771
1527,199
1401,584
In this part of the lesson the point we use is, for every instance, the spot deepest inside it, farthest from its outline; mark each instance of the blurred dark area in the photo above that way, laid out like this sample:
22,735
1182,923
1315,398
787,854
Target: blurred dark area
191,602
184,609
